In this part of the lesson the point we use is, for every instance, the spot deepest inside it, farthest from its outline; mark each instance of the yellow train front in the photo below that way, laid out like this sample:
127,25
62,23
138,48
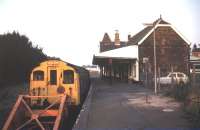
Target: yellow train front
56,77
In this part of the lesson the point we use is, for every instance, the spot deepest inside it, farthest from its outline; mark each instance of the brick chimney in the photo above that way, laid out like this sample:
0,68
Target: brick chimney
129,37
117,40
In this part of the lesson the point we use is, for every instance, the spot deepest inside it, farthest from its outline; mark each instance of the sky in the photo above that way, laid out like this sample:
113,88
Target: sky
72,29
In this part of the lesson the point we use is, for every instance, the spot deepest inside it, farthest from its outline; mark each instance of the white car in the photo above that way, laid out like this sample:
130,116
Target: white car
177,77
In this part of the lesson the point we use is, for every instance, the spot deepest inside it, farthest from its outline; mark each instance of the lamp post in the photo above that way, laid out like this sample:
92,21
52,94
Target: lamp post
154,55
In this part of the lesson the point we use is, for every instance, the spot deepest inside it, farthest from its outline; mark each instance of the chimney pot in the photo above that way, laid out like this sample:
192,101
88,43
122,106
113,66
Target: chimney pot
129,37
117,40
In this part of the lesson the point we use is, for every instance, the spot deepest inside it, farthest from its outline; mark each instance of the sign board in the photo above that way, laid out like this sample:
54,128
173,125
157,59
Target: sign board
145,60
109,61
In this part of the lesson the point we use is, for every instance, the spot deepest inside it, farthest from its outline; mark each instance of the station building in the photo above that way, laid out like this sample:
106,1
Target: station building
130,60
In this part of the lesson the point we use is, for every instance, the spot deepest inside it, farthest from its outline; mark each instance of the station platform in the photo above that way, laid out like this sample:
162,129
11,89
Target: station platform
124,106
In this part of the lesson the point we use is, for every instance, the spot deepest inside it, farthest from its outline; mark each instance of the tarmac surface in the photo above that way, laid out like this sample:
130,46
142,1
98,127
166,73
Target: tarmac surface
125,106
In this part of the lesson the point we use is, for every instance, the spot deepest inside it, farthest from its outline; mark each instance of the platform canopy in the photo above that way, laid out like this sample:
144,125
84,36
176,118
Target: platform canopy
128,52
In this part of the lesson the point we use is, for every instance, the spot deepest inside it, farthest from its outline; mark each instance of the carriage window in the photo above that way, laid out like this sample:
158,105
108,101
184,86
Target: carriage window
68,77
38,75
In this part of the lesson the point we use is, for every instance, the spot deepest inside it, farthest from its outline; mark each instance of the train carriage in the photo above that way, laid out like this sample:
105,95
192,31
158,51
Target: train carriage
55,77
56,87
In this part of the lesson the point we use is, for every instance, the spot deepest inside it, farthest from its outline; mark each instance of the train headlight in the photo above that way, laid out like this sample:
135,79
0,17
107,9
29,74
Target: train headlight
60,90
33,91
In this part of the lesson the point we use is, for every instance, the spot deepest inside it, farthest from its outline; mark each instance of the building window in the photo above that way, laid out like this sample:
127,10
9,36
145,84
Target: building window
38,75
68,77
162,51
163,42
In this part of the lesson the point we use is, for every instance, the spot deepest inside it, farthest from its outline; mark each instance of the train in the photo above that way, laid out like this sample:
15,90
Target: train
56,93
57,77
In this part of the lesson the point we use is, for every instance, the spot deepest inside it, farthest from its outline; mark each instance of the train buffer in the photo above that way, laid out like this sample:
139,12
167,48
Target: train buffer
25,116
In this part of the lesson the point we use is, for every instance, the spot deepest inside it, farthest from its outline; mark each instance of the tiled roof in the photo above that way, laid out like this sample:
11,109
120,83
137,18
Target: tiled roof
106,38
137,37
163,22
160,21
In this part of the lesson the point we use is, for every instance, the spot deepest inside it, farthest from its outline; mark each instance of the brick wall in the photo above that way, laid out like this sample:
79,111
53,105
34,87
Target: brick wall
171,51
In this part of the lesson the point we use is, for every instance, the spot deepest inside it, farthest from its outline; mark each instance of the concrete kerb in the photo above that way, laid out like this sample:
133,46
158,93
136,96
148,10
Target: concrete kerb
83,117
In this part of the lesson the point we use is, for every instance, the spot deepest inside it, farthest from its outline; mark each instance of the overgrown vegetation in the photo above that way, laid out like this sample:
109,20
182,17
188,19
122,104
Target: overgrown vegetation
179,92
190,97
17,58
192,106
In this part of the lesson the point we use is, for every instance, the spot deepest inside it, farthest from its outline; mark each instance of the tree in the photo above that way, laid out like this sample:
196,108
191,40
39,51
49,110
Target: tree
17,58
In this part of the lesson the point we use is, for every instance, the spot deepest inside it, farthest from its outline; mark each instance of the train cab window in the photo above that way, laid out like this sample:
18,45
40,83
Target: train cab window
38,75
68,77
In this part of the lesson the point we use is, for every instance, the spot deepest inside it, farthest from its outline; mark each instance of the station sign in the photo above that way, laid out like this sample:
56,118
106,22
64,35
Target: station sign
109,61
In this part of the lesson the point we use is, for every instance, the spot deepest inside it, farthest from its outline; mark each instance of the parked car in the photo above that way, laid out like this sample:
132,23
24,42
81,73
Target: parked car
176,77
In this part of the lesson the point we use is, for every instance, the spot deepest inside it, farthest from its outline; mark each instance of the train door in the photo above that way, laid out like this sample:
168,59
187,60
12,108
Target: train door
52,80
